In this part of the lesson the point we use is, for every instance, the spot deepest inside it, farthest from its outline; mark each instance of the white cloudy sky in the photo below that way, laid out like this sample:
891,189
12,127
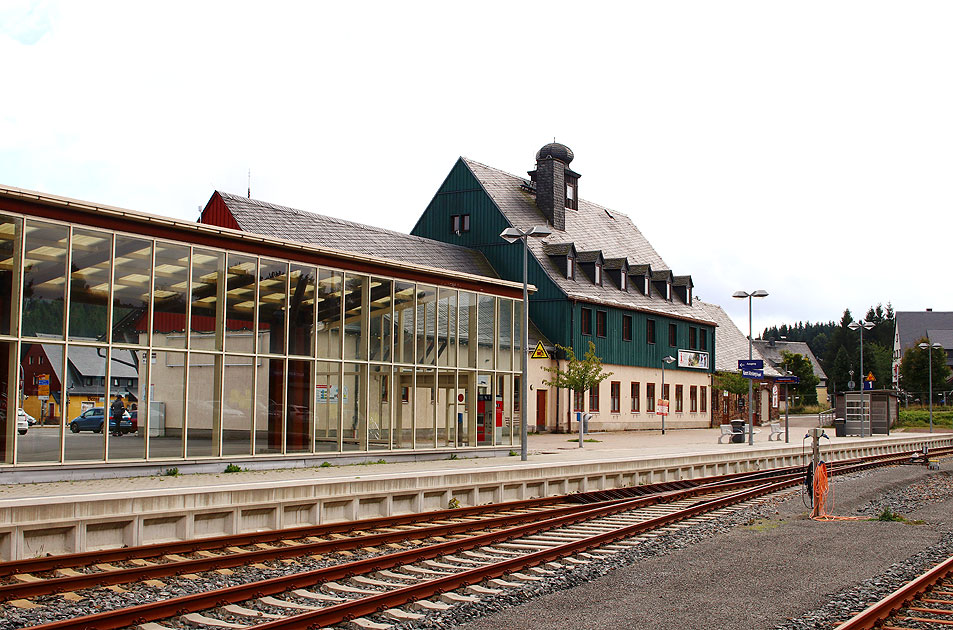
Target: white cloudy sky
805,148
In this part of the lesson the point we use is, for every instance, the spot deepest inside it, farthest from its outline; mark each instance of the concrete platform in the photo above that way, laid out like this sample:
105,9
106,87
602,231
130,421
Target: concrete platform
70,516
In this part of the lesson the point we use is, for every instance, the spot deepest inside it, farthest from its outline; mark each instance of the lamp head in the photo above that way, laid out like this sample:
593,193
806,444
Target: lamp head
669,359
853,325
923,346
739,294
868,325
511,235
540,231
760,293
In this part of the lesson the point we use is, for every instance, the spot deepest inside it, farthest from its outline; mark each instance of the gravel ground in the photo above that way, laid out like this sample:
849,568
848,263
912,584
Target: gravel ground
768,567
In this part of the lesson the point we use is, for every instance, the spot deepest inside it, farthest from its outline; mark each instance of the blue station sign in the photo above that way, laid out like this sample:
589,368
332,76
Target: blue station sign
788,380
752,373
750,364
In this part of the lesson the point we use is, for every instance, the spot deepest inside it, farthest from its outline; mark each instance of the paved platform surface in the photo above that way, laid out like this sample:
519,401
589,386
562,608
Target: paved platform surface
543,449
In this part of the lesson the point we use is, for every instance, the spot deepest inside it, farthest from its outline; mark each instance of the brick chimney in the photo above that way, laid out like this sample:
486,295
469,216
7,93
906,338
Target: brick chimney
557,187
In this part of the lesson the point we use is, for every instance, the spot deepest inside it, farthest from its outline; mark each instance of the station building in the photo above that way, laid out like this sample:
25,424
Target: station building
599,280
232,345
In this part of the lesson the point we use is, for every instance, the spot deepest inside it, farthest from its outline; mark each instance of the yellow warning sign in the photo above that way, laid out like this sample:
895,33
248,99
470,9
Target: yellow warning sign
539,352
870,377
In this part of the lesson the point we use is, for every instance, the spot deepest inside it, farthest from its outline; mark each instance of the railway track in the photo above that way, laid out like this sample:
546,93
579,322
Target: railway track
925,602
403,565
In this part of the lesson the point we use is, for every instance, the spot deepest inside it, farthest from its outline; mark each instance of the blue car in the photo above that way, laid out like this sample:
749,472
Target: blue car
92,420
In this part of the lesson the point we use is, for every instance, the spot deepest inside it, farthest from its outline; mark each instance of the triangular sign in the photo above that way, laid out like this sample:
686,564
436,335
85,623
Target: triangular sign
870,377
539,352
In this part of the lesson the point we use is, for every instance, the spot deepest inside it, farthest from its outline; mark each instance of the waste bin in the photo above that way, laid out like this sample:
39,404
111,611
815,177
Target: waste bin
840,427
738,431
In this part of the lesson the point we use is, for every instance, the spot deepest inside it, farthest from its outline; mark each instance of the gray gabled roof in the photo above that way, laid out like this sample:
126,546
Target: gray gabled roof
730,343
270,219
771,351
914,325
590,228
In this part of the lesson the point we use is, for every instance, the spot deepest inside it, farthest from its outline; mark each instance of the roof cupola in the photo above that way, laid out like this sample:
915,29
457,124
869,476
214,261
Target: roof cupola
557,186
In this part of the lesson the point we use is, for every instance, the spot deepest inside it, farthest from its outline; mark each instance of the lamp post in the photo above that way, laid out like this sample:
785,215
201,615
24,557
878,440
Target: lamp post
787,408
759,293
511,235
929,348
861,325
669,359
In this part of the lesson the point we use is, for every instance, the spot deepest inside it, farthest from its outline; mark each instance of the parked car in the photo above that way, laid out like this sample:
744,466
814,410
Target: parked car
92,420
30,420
22,425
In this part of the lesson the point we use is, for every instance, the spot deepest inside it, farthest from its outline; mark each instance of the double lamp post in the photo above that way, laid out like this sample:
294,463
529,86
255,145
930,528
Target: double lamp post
759,293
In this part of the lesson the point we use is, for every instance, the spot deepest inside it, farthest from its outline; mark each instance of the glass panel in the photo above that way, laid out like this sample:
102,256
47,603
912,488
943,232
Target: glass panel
426,325
301,327
380,398
404,412
447,327
298,420
425,405
327,403
42,440
446,408
86,389
504,400
10,229
272,297
237,405
404,327
270,406
382,331
330,287
486,336
8,409
205,380
518,356
166,404
353,397
132,275
504,356
355,311
240,278
467,387
126,441
467,323
208,272
489,419
170,295
89,284
44,279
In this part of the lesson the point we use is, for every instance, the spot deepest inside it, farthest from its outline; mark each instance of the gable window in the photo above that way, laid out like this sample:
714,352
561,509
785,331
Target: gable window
626,328
692,337
598,274
693,398
570,268
634,391
594,398
650,331
650,397
587,321
600,323
615,396
672,335
460,223
678,399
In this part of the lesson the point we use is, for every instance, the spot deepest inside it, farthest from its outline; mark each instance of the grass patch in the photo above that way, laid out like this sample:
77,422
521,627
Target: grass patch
453,456
231,468
368,463
891,516
171,472
763,526
513,453
585,440
919,418
325,465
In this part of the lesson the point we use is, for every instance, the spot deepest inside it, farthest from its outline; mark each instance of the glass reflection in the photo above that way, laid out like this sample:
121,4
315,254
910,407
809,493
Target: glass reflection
44,279
132,277
170,294
89,284
10,228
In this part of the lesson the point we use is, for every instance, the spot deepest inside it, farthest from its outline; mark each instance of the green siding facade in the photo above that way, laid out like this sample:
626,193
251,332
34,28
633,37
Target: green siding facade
557,317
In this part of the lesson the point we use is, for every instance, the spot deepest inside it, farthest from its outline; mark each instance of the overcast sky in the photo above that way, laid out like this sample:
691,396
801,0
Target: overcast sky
804,148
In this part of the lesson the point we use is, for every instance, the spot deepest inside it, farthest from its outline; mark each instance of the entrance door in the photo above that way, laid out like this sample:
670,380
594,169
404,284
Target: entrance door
540,409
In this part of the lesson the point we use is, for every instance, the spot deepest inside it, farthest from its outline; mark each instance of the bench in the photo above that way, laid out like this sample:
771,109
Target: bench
776,430
726,431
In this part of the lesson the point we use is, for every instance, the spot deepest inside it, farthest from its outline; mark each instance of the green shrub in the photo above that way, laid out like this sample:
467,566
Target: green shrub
942,417
233,468
325,465
171,472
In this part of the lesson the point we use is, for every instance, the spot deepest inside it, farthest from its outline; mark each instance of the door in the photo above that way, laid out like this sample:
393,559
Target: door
540,409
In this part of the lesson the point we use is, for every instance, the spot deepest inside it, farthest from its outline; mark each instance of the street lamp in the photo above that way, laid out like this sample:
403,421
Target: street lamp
787,407
861,325
741,295
511,235
929,348
669,359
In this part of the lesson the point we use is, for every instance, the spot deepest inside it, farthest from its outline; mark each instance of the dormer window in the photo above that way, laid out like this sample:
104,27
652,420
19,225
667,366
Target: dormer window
645,290
597,278
668,291
572,192
570,268
623,282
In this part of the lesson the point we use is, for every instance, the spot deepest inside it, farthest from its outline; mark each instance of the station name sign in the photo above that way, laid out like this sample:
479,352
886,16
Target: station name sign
751,368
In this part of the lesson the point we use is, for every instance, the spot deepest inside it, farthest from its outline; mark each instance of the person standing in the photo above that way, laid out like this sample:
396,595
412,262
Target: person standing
116,412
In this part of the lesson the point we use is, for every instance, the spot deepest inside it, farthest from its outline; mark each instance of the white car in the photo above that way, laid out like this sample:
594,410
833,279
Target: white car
22,425
30,420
